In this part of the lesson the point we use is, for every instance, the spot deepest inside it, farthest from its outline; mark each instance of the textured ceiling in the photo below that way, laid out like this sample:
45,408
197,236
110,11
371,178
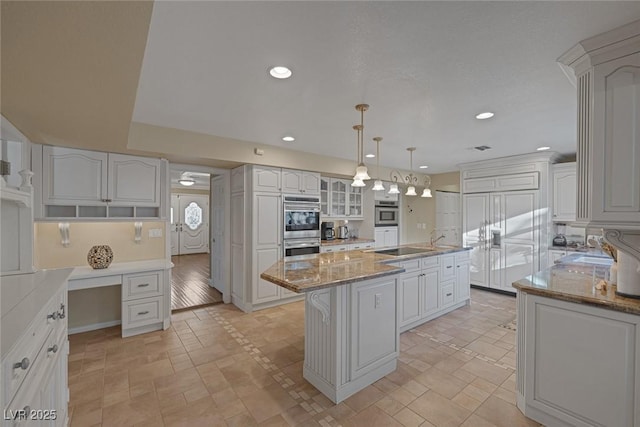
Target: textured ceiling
426,68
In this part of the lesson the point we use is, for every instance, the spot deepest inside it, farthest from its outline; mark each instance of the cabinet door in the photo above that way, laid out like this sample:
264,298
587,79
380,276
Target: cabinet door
391,236
463,280
409,296
264,291
266,179
338,197
325,194
267,214
379,237
73,176
475,235
311,183
616,141
291,181
564,195
355,201
134,180
431,294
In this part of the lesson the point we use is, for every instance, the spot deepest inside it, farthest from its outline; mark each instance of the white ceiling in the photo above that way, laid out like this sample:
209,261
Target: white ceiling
425,68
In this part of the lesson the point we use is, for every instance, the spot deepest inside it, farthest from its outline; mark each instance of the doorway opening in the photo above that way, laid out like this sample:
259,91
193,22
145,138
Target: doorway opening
190,236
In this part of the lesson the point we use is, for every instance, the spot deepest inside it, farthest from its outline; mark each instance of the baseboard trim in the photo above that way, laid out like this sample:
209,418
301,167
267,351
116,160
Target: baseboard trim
94,326
494,290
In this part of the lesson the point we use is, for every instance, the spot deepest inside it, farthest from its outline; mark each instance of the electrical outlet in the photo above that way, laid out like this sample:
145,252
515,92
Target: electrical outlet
378,302
155,233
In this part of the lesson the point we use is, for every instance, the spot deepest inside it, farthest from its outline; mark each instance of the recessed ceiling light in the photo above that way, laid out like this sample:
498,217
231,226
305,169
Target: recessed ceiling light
483,116
424,167
543,148
288,138
280,72
370,155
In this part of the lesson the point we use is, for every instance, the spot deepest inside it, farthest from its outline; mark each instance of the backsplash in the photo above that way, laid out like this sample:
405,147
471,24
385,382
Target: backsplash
49,252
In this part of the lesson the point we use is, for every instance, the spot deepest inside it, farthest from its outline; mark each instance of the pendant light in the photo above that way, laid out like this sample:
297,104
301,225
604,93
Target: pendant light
409,179
427,191
361,171
377,185
393,189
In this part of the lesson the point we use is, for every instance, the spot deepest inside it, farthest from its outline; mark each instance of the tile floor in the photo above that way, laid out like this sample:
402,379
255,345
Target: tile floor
217,366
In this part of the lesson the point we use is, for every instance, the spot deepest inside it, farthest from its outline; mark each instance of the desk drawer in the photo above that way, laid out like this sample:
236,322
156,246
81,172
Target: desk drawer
141,312
136,286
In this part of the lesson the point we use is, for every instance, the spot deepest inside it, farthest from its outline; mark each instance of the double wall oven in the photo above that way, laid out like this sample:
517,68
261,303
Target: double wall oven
301,225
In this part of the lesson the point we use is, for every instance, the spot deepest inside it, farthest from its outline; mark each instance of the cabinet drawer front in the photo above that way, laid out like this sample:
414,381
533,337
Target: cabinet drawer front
142,285
462,256
411,265
430,261
448,294
141,312
447,265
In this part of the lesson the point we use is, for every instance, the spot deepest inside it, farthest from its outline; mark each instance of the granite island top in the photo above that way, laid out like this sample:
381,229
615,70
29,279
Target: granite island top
575,281
349,241
307,273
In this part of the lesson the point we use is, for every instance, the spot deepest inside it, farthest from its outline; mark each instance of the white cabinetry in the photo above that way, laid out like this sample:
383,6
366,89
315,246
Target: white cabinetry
35,349
607,68
561,348
295,181
432,286
338,199
75,183
564,192
386,236
256,233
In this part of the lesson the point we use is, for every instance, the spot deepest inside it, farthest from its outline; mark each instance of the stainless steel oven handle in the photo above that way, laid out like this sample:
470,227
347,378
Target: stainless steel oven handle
300,245
303,208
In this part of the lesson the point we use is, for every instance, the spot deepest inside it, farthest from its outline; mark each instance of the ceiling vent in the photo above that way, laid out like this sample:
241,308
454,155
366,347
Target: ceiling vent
482,147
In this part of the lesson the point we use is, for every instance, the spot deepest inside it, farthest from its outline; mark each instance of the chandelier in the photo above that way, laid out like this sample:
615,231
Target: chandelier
410,180
361,171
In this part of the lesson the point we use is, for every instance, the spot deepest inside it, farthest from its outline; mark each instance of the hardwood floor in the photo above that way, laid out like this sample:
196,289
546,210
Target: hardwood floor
190,282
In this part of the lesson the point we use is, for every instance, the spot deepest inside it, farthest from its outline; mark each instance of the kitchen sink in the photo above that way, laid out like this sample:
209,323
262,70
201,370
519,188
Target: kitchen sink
403,251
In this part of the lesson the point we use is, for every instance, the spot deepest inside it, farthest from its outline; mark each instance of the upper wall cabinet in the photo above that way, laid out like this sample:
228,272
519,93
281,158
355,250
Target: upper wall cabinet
295,181
88,184
267,179
564,192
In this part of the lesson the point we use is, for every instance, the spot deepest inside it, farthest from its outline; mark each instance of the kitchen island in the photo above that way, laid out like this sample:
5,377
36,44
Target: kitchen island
578,346
353,305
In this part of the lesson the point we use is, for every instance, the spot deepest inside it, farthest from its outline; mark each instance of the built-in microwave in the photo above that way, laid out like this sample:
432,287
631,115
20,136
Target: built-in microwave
387,213
301,217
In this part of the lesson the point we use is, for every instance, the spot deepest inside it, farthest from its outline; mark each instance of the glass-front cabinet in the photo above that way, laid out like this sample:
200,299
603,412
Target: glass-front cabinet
338,199
324,195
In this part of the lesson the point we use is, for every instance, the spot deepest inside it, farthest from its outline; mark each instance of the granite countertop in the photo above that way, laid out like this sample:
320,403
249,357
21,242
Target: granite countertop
349,241
307,273
575,281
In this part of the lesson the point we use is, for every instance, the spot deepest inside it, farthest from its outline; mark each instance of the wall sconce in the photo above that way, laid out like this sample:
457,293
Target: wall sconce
63,227
138,232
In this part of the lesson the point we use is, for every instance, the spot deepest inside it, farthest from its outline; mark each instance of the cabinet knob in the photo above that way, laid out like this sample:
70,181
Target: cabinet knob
23,364
53,349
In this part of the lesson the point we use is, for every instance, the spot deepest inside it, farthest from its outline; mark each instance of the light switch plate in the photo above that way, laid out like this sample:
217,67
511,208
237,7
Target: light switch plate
155,233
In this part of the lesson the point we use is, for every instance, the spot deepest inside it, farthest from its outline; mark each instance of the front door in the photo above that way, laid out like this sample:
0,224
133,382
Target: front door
189,224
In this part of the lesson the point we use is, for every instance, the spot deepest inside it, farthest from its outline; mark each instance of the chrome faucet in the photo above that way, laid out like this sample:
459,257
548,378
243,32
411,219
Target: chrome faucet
433,240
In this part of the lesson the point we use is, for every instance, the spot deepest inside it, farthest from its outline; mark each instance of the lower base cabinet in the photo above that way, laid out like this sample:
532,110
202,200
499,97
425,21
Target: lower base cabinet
577,365
423,293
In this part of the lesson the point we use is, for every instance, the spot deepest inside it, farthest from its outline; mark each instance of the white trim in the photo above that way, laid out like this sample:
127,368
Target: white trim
94,326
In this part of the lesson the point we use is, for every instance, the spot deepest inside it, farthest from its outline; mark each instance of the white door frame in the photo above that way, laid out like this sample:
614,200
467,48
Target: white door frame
226,174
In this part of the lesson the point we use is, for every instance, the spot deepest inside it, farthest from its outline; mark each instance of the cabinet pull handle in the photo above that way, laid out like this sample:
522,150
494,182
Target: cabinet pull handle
143,285
142,313
23,364
53,349
449,294
449,266
53,315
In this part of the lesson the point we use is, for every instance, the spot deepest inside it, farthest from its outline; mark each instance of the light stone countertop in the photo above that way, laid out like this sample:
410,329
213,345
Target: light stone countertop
576,282
348,241
307,273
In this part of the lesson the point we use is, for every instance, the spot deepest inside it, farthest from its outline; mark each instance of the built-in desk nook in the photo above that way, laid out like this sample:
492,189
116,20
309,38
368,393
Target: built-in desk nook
145,293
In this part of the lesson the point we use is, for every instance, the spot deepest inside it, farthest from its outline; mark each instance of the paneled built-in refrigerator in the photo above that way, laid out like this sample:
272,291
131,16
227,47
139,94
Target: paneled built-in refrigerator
503,230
